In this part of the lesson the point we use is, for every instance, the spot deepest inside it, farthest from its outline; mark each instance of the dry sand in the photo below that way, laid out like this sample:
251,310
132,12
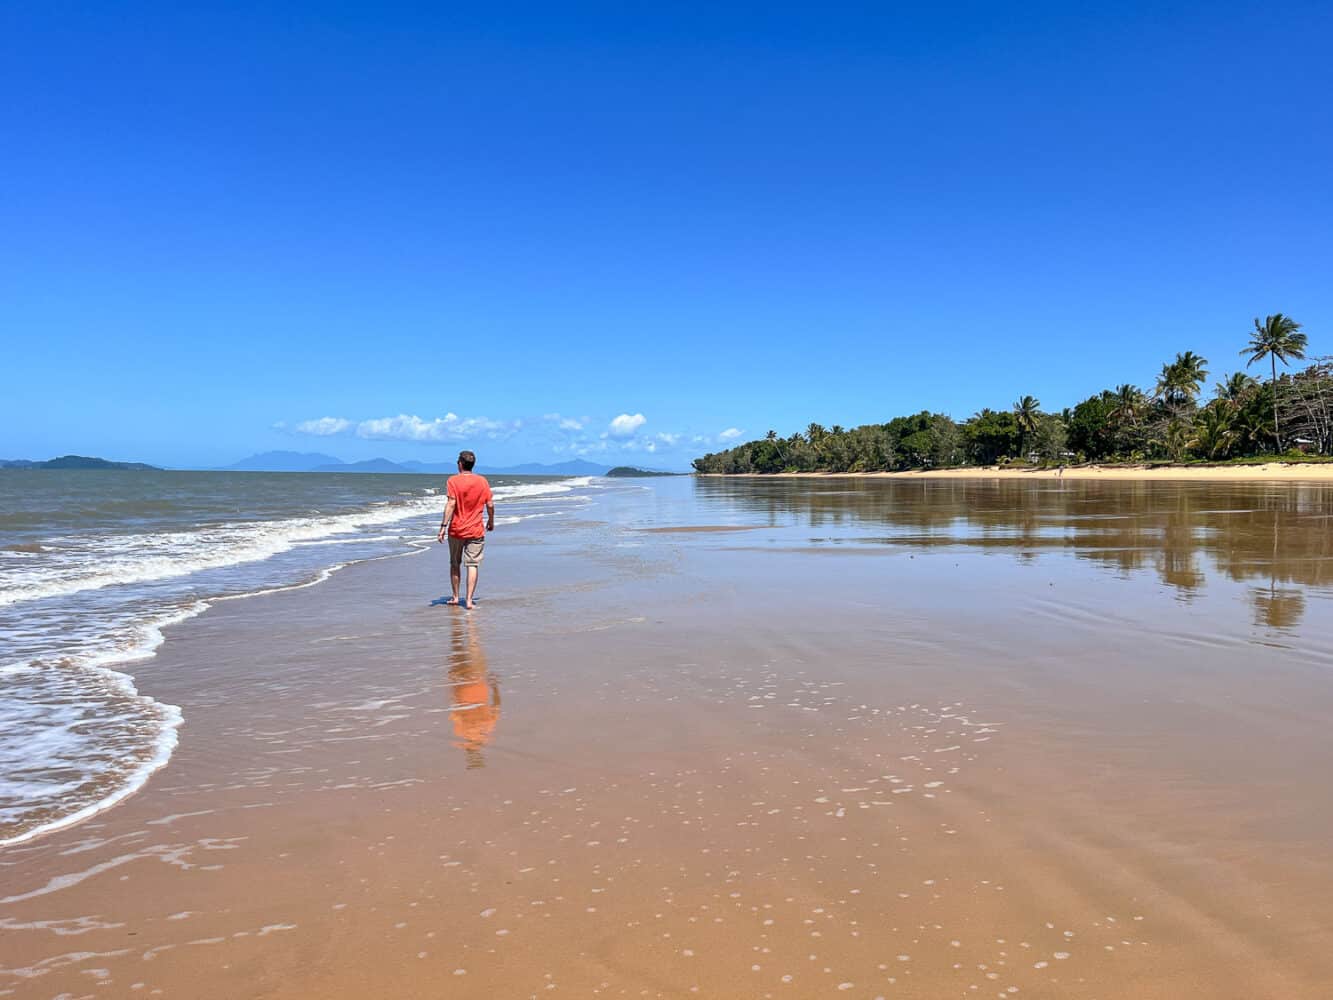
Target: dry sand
688,765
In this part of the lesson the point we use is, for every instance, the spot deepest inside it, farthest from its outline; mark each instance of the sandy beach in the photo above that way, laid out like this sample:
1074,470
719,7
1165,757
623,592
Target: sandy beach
928,740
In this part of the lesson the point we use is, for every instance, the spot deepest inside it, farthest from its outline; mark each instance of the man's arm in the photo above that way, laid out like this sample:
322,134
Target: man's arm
448,516
490,515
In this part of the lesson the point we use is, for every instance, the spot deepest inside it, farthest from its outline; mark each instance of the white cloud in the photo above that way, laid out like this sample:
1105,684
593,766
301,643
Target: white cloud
450,427
581,448
620,436
323,426
730,434
652,445
626,424
566,423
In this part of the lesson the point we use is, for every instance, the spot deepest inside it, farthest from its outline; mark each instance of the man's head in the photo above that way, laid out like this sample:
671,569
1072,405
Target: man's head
466,460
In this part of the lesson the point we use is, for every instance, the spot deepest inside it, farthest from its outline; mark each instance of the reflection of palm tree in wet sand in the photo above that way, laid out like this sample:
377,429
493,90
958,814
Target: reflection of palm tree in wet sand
1274,608
474,694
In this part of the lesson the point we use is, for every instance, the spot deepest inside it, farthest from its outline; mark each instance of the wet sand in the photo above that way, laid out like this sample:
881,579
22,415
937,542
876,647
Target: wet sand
675,529
953,739
1266,472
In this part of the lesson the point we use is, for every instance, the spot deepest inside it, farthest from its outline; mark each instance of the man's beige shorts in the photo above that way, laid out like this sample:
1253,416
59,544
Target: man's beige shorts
466,551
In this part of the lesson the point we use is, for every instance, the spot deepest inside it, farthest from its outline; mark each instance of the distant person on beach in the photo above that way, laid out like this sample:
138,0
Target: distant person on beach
468,495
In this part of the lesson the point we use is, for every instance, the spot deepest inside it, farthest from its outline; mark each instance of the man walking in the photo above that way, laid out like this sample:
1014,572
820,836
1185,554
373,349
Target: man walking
467,495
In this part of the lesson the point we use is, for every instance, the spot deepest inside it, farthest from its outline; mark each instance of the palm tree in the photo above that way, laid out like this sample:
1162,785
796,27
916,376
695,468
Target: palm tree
1213,431
1277,338
1192,372
816,434
1176,438
1253,429
1127,404
1026,412
1235,388
1180,379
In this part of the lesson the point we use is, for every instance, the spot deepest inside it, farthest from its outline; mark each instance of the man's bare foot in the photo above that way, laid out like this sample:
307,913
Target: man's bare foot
452,600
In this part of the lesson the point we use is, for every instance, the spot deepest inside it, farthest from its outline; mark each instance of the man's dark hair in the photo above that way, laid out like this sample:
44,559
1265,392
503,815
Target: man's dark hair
467,460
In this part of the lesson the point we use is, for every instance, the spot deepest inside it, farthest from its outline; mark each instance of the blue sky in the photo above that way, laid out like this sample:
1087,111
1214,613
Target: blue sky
551,230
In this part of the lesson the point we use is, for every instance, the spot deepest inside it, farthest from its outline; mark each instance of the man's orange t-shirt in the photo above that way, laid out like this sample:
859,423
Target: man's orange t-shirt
471,494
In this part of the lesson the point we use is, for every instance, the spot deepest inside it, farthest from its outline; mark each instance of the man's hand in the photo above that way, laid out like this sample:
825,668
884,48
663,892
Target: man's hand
444,529
490,524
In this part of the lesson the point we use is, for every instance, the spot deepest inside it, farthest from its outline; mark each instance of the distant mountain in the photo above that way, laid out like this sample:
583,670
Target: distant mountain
369,465
284,461
77,462
429,468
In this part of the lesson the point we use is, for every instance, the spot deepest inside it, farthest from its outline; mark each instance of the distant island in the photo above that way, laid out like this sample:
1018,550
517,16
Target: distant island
1282,418
294,461
632,472
77,462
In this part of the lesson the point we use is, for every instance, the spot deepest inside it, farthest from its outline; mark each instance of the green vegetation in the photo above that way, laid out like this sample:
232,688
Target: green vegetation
632,472
1170,423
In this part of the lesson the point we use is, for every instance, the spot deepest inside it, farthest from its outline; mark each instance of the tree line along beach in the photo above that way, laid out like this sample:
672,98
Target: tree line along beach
1246,421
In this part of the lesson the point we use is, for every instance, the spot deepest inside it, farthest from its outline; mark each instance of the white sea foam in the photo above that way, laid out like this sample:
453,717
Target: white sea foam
78,737
73,742
94,561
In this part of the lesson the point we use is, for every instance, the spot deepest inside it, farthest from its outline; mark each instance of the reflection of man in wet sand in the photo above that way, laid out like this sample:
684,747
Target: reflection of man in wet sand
474,694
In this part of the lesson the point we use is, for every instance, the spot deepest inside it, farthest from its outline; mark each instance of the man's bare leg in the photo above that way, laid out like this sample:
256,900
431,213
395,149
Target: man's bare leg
455,578
471,584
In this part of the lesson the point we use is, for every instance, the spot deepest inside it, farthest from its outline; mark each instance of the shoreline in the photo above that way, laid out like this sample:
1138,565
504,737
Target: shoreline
1267,472
128,631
